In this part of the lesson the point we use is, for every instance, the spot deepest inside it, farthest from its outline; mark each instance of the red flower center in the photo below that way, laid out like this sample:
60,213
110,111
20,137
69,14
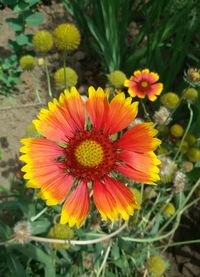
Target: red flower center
90,155
143,85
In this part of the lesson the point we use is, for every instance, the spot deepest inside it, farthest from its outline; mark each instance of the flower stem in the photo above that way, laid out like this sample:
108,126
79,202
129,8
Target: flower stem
80,242
33,218
186,131
145,111
48,78
179,243
64,64
104,260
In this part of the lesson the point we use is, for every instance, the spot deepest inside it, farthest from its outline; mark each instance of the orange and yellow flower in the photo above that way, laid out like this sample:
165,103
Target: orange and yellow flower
144,83
77,152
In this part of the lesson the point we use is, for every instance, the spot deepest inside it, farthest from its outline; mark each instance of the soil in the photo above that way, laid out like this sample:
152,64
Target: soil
17,111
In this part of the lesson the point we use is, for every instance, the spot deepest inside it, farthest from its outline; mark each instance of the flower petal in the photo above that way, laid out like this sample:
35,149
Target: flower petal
136,175
76,207
140,138
154,90
121,113
143,162
112,199
44,170
63,118
134,89
97,107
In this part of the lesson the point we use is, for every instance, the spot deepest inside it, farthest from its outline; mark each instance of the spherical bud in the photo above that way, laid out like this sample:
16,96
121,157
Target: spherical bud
190,94
27,62
179,181
117,79
68,75
42,41
62,232
156,266
22,231
187,166
40,61
191,139
170,100
167,170
184,146
162,151
177,131
66,37
169,210
137,195
163,129
162,116
193,154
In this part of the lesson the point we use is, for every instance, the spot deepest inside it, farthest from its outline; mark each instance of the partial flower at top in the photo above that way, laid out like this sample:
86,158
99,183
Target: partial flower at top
77,151
42,41
193,77
144,83
66,37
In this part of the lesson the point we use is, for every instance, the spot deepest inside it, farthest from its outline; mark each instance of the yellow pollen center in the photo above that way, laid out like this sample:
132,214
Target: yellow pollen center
89,153
144,84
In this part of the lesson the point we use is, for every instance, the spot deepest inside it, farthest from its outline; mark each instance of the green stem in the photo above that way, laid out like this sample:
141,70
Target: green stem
145,111
184,203
102,267
64,64
179,243
48,78
186,131
33,218
36,88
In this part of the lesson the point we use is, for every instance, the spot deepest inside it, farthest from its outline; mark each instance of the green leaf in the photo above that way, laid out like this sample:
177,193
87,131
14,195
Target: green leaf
35,19
15,267
40,226
35,253
15,23
22,39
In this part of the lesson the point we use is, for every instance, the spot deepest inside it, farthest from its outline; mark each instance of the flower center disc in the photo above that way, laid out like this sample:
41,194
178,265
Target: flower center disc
144,84
89,153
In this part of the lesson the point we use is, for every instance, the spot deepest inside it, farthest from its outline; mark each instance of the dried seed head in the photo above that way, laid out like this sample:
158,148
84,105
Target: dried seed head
22,231
167,169
179,181
162,116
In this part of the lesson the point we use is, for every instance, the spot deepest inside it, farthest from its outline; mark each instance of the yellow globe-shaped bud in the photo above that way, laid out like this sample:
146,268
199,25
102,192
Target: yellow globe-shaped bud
66,37
190,94
117,79
60,231
184,147
156,266
193,154
27,62
65,78
177,131
170,100
191,139
137,195
42,41
169,210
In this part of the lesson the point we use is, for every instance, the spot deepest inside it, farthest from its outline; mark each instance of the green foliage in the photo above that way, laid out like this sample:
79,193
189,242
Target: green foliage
9,75
166,33
25,15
